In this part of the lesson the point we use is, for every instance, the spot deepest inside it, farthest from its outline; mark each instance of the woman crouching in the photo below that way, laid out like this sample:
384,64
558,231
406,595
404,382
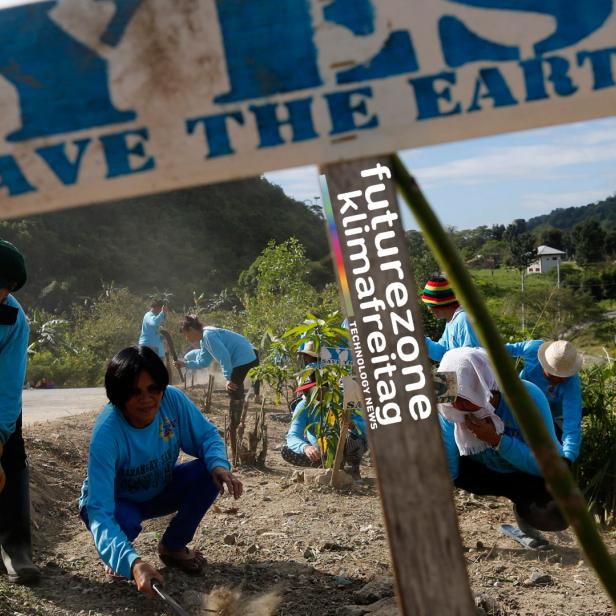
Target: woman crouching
132,471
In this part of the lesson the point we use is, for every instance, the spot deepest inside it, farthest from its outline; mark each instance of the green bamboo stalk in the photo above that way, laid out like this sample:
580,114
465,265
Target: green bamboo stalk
558,478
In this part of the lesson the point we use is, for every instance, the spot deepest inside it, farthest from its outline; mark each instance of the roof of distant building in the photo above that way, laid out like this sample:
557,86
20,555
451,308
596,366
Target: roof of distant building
543,251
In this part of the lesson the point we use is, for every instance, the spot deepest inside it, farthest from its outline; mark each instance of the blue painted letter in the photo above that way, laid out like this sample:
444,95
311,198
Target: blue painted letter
62,85
118,152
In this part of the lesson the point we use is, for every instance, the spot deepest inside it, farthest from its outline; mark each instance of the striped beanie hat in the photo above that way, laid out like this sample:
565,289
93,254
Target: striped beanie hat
438,292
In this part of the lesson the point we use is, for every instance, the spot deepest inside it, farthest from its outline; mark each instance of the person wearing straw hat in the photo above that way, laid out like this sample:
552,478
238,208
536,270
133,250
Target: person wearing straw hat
554,367
307,356
15,532
441,300
486,451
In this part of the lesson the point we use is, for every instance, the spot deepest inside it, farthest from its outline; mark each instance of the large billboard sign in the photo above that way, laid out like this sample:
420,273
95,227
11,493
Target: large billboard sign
102,99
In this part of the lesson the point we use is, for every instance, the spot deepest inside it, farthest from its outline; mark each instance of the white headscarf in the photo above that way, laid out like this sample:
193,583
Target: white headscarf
475,383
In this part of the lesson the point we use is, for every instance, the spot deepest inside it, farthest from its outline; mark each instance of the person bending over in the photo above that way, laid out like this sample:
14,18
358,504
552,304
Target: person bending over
232,351
554,367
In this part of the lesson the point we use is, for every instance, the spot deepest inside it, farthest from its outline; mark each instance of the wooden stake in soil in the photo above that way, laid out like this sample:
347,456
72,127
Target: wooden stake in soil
207,395
379,296
338,459
171,347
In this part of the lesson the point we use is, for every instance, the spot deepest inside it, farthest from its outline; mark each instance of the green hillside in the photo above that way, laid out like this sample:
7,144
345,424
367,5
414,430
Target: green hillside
566,218
193,239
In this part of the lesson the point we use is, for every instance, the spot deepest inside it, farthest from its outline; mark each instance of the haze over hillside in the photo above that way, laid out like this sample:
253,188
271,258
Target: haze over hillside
195,239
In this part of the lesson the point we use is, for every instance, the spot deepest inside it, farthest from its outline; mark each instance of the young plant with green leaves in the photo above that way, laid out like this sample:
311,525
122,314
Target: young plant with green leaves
325,399
277,369
595,469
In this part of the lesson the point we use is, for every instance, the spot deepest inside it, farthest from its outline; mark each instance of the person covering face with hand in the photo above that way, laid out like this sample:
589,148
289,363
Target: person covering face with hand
486,452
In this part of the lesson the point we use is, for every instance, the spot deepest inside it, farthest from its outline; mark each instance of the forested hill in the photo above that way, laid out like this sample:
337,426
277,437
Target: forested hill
193,239
603,212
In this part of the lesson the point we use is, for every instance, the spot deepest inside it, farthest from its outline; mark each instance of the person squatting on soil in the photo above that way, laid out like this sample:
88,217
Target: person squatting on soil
15,534
486,452
441,300
132,472
150,328
302,448
554,367
232,351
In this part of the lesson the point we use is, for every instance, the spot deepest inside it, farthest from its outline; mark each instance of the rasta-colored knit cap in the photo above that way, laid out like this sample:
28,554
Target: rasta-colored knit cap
12,267
437,292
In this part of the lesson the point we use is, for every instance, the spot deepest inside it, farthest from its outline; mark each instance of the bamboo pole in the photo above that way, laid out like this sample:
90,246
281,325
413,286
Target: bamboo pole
557,475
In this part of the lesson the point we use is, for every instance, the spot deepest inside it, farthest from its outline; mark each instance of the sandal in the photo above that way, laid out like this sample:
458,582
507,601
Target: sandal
193,565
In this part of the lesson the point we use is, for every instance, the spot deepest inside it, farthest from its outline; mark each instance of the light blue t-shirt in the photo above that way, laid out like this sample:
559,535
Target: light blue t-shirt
513,453
565,398
458,333
301,432
150,332
136,464
228,348
13,356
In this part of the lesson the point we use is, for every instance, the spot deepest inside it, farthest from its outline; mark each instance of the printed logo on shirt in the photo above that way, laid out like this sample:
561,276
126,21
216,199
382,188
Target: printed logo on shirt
166,429
155,473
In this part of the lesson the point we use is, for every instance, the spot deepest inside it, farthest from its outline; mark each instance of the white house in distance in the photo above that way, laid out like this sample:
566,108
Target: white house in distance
549,259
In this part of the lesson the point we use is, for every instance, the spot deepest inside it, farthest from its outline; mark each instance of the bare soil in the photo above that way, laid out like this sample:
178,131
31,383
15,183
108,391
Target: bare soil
320,547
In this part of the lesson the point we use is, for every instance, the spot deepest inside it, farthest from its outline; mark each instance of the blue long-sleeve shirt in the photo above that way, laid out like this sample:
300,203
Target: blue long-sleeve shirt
513,453
136,464
458,333
150,332
300,433
228,348
13,355
565,398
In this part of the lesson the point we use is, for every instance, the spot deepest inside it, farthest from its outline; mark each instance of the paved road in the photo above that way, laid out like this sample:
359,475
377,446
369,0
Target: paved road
46,404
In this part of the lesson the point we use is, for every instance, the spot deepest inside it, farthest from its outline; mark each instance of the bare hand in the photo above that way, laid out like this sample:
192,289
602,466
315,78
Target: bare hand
312,453
483,429
231,386
178,363
144,575
222,477
165,309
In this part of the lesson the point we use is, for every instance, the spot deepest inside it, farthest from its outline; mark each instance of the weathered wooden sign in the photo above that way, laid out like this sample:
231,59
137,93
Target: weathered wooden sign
101,99
391,366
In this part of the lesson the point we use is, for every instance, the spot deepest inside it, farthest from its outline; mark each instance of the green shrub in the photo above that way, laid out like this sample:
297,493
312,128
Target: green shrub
596,466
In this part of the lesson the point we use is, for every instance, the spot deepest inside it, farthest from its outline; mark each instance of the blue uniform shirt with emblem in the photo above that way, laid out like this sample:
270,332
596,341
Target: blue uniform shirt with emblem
136,464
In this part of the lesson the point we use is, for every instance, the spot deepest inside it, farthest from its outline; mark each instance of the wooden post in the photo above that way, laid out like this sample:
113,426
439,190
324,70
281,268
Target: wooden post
171,348
210,390
380,299
338,459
